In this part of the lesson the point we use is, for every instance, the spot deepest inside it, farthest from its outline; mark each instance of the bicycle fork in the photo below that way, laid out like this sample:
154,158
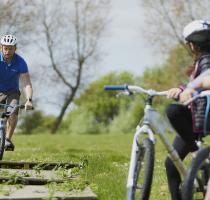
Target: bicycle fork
133,161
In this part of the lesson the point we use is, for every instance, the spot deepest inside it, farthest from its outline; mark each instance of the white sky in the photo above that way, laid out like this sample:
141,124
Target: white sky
125,47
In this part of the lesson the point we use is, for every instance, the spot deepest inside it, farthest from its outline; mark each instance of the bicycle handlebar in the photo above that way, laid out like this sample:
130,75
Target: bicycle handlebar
2,105
14,108
138,89
134,88
116,87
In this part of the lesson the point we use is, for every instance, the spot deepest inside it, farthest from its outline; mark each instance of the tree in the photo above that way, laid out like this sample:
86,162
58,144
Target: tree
104,105
16,18
71,31
170,74
165,20
35,122
95,108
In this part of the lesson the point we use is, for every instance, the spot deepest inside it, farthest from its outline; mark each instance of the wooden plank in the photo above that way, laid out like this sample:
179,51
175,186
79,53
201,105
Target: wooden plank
31,165
45,174
42,192
29,180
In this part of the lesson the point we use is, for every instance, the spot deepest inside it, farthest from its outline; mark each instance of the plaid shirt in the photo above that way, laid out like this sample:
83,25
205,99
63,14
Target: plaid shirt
198,107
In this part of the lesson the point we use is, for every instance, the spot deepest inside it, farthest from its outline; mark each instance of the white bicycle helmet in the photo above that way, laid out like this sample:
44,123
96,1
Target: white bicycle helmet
8,40
197,31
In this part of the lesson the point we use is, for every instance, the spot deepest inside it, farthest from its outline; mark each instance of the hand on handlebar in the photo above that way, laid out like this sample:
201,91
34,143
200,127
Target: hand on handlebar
181,96
28,105
186,95
174,93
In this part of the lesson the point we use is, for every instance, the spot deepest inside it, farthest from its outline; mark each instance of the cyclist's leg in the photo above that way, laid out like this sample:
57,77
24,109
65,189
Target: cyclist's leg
181,119
12,99
173,176
3,98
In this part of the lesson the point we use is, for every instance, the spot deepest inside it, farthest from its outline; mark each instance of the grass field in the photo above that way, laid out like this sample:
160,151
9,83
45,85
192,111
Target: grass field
107,157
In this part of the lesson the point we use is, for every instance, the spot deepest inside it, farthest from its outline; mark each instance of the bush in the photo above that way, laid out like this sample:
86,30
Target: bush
102,104
35,122
81,121
128,118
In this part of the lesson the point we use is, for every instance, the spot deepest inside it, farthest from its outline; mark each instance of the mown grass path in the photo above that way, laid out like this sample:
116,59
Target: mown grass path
105,158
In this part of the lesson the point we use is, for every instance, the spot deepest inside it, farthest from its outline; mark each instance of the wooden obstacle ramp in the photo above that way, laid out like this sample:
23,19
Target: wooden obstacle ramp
31,165
42,192
34,178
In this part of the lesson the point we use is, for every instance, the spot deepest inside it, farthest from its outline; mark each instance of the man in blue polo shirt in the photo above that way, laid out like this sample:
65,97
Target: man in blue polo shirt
12,69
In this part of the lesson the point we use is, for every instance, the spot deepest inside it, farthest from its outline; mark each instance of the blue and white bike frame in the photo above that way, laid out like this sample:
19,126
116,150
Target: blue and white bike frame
149,127
153,124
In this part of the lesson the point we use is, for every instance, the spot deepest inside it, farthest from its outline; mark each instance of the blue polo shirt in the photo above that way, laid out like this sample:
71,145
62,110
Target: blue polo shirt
10,73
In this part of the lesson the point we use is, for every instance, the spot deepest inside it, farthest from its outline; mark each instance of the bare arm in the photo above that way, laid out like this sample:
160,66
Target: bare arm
205,83
201,82
25,79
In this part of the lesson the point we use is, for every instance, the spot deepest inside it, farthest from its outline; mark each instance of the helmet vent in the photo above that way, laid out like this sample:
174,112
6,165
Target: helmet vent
8,40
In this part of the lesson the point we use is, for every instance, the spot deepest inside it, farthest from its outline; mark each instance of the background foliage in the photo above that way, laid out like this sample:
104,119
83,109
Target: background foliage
97,111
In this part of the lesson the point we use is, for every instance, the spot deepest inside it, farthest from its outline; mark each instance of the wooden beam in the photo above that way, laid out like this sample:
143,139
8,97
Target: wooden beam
31,165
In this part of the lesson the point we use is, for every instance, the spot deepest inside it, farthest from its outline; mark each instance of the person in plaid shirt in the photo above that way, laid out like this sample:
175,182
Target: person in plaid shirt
189,121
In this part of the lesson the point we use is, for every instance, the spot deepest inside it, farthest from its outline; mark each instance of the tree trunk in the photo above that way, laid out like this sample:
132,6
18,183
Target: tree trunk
59,118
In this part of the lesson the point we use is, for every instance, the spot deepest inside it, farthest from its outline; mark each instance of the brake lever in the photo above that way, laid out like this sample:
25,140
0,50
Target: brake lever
124,92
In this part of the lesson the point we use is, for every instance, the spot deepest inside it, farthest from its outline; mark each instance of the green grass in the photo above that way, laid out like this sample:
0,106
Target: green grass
107,158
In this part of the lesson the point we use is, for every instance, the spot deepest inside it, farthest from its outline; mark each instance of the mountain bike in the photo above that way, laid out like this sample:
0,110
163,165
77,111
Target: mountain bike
4,115
141,166
199,171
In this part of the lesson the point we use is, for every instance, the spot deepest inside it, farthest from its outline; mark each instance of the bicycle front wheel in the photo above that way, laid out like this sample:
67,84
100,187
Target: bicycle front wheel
195,184
2,143
144,170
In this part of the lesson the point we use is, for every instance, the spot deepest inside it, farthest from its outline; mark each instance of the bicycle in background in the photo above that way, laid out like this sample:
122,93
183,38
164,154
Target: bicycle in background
4,115
141,166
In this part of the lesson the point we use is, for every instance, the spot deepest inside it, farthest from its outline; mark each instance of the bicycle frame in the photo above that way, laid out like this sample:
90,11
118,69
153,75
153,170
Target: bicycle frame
3,122
3,117
149,127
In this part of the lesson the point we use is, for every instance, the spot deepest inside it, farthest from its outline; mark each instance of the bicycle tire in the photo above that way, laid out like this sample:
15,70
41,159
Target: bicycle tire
145,164
2,143
199,170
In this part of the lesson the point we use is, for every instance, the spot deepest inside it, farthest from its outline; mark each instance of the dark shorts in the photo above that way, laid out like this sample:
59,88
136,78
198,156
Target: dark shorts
12,98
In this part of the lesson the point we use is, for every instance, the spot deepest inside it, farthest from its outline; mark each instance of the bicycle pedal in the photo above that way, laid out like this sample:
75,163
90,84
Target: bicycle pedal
9,149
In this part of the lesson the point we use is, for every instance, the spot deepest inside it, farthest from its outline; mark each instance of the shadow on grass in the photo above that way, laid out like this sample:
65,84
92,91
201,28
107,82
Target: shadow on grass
71,150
